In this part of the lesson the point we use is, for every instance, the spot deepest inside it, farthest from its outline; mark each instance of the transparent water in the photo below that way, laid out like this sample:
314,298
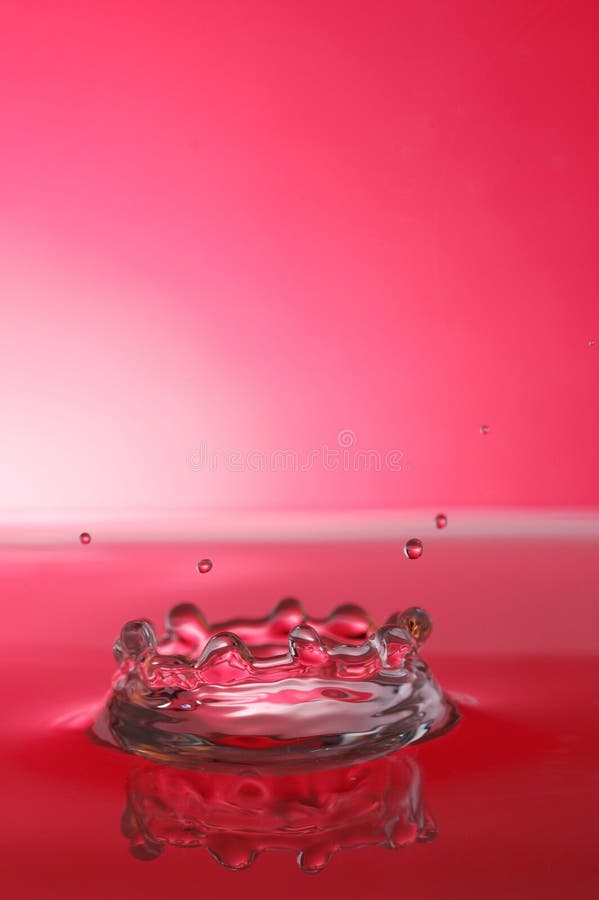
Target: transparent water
282,692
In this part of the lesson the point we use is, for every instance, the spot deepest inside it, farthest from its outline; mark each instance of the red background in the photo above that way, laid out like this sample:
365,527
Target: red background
255,225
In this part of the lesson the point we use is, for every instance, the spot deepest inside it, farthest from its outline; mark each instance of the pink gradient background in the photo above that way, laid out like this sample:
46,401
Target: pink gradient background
254,225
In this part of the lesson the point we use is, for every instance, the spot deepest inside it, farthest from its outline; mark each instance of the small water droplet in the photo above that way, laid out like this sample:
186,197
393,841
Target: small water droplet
441,520
204,566
137,636
592,342
484,429
416,622
413,548
85,538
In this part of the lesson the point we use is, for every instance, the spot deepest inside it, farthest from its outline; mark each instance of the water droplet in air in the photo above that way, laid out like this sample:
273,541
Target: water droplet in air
592,342
204,566
441,520
85,538
413,548
484,429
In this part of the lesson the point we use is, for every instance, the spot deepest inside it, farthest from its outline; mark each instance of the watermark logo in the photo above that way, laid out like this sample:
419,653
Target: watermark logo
345,456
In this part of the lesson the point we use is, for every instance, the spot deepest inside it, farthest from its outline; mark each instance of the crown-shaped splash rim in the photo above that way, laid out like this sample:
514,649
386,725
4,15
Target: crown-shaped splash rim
288,689
288,643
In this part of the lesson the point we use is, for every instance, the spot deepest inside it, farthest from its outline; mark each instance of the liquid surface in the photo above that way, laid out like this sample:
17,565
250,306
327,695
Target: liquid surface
514,643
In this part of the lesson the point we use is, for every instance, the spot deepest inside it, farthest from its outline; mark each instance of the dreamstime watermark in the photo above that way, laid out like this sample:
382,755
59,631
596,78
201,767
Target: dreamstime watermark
344,457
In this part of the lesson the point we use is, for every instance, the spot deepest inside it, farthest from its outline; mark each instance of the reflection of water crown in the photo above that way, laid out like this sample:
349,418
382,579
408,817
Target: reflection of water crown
271,690
236,817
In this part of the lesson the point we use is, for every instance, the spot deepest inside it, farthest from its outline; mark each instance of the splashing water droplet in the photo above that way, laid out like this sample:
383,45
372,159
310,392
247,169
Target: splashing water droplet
417,622
268,717
350,622
204,566
395,643
314,859
413,548
484,429
85,538
441,520
137,636
186,623
288,613
305,645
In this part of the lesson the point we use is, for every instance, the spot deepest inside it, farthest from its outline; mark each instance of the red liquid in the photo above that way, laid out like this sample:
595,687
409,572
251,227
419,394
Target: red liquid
512,788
